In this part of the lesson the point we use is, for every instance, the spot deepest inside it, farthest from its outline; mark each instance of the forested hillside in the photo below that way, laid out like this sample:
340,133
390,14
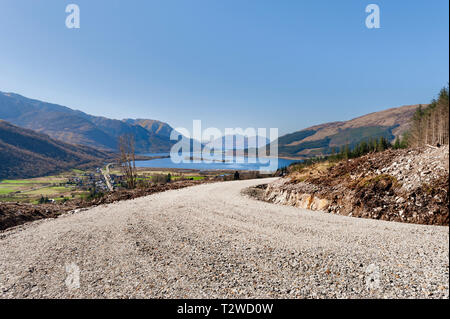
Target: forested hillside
430,124
329,138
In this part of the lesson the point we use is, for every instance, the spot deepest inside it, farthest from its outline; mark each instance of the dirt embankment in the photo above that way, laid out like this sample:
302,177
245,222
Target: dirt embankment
14,214
396,185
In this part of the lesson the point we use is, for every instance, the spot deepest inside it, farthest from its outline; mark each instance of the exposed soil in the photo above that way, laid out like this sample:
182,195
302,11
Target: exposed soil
396,185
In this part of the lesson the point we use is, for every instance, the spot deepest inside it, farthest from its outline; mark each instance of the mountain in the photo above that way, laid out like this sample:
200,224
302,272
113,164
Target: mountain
159,134
25,153
239,142
157,127
76,127
322,139
151,136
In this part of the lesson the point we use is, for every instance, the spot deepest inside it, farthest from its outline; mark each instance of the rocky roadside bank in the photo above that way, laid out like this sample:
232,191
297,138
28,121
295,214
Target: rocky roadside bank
396,185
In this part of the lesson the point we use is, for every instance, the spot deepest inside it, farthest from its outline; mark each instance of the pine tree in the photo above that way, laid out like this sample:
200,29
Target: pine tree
430,125
346,151
397,143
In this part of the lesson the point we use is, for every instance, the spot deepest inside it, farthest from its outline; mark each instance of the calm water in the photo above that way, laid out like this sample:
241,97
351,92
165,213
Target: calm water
229,164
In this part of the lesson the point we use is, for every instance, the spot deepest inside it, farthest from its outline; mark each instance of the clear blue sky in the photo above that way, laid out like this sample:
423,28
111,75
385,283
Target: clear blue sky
230,63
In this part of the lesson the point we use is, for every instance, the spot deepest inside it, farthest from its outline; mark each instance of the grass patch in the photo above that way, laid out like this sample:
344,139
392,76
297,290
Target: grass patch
11,188
18,181
301,172
14,199
195,178
53,190
382,181
6,190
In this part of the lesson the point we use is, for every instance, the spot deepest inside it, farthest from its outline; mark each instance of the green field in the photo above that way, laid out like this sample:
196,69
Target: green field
6,190
56,187
10,199
46,191
19,182
9,185
33,188
195,178
173,177
38,180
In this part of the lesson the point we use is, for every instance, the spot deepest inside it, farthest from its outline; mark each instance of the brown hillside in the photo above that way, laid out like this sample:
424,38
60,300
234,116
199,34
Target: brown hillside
400,116
25,153
322,139
76,127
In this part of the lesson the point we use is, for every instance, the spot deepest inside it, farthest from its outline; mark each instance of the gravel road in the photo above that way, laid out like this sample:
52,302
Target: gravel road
211,241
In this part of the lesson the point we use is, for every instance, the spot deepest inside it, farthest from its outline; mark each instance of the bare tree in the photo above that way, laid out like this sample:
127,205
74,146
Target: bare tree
127,159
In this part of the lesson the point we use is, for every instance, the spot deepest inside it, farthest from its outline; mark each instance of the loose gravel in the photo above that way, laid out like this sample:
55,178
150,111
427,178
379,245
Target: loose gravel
210,241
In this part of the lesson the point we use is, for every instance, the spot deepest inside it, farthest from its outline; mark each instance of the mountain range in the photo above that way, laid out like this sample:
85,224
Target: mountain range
151,136
25,153
238,142
76,127
324,138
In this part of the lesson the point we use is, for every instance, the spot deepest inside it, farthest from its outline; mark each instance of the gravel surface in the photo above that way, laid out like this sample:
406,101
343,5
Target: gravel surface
210,241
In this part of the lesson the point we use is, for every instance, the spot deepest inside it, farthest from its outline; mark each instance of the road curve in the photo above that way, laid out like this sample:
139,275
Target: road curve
107,177
210,241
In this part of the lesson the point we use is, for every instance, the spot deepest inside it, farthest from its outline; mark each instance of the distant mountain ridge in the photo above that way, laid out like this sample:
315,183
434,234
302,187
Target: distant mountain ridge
324,138
152,136
25,153
157,127
238,142
77,127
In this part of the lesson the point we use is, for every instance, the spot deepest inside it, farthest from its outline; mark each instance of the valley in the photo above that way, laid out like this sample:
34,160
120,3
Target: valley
224,152
153,136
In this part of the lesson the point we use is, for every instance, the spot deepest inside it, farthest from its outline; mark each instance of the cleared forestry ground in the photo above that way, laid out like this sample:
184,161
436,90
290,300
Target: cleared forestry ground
211,241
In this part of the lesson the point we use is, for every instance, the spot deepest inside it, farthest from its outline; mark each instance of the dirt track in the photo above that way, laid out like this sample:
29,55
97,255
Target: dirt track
210,241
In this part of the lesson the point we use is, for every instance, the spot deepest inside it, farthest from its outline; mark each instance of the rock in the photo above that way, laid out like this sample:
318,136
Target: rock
411,182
